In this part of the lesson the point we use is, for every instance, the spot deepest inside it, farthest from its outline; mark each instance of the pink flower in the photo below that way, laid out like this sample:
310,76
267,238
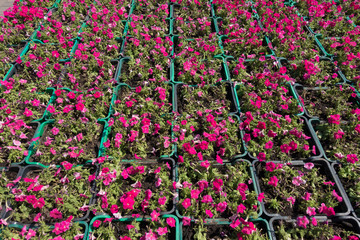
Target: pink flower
291,200
261,197
337,196
218,159
235,223
339,134
314,221
307,196
57,66
335,238
97,223
114,209
352,158
56,214
285,148
309,165
241,208
195,193
170,221
273,181
209,213
80,106
261,156
297,181
302,221
311,211
28,112
269,145
162,201
186,221
162,231
55,54
205,164
128,203
186,203
334,119
55,131
270,166
329,211
221,207
67,165
207,199
217,183
154,215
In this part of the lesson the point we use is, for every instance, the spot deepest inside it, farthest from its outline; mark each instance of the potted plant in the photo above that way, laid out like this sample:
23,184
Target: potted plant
136,188
300,188
217,191
53,195
164,227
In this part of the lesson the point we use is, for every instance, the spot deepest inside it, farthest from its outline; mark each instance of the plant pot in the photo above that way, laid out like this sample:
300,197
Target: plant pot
343,209
345,223
349,182
175,66
227,214
314,130
19,227
151,164
40,138
313,144
242,151
31,171
174,232
35,128
12,173
222,229
230,96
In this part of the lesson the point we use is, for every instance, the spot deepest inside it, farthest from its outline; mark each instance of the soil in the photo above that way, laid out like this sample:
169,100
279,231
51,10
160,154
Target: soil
211,97
11,174
287,210
120,229
135,81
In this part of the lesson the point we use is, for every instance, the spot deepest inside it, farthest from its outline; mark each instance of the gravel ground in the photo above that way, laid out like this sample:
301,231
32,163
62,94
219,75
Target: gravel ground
5,4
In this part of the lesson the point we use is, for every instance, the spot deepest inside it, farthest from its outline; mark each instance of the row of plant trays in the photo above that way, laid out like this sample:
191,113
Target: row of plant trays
263,178
274,229
178,99
311,181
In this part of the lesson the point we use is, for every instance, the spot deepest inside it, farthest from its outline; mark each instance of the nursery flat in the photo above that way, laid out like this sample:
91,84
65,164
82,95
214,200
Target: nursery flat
179,119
